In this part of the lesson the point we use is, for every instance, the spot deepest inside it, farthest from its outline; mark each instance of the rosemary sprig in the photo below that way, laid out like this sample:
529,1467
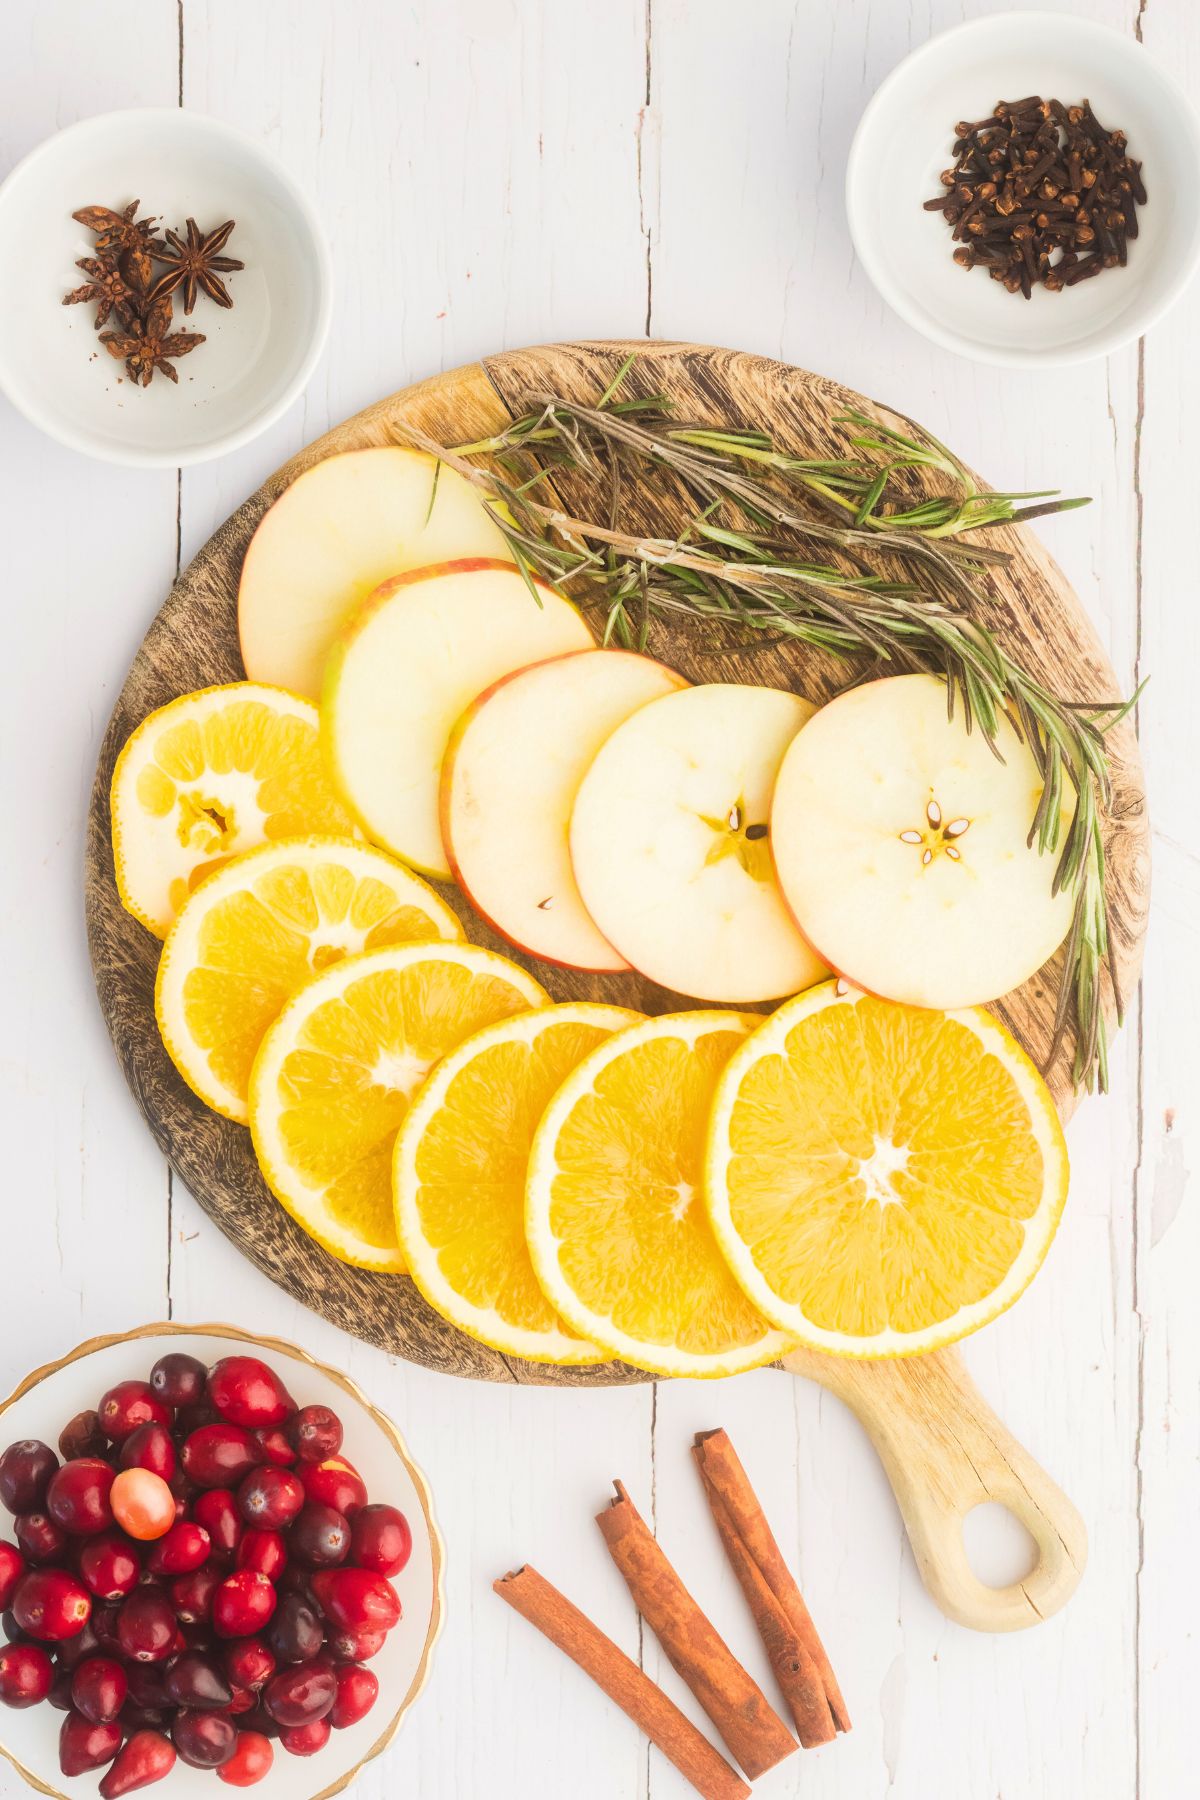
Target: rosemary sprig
741,563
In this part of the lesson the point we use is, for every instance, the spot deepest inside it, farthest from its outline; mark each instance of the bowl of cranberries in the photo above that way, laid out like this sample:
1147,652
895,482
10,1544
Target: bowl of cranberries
218,1568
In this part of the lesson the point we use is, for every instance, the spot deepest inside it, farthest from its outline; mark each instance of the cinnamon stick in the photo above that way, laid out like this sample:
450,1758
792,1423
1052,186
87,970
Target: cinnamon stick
755,1735
554,1616
797,1655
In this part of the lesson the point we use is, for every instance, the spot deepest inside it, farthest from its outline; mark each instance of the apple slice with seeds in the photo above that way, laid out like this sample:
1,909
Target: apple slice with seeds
513,768
669,844
901,844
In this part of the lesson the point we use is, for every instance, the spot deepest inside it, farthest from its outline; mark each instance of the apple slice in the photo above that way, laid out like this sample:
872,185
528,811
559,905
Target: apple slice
509,781
900,843
330,539
409,663
670,849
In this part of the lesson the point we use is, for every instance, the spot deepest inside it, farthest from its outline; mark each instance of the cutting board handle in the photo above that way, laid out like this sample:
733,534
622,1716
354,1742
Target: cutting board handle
946,1452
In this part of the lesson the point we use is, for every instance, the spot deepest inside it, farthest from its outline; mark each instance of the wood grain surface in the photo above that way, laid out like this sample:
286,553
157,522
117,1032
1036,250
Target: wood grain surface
193,643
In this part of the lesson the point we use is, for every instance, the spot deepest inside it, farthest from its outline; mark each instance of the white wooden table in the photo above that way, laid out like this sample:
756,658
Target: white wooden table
500,172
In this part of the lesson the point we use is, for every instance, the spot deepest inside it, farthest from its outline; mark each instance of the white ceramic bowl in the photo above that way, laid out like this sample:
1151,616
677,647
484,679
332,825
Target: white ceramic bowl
904,141
42,1405
258,355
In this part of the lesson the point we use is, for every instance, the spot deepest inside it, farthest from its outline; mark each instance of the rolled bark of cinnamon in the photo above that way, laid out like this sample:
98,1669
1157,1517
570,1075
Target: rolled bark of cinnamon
797,1655
554,1616
755,1736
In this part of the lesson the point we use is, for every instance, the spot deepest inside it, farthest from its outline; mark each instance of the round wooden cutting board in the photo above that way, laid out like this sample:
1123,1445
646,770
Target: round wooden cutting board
193,643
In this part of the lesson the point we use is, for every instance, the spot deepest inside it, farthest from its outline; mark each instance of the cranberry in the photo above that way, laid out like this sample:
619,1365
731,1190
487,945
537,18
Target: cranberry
77,1497
273,1446
12,1567
295,1634
83,1746
26,1674
191,1418
183,1548
103,1623
146,1626
128,1405
315,1433
82,1436
248,1662
355,1646
217,1511
194,1679
142,1504
306,1740
334,1482
357,1691
241,1700
295,1696
25,1470
321,1536
295,1580
204,1739
192,1595
356,1600
74,1650
50,1604
99,1688
178,1380
41,1540
271,1497
147,1757
215,1456
263,1551
251,1760
109,1565
147,1686
243,1604
246,1392
150,1447
60,1690
380,1540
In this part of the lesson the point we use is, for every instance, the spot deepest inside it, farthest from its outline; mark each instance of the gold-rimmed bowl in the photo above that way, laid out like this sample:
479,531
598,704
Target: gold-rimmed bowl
42,1404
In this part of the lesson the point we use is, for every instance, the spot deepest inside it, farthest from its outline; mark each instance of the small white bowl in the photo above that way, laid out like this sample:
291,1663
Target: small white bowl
257,355
904,140
42,1405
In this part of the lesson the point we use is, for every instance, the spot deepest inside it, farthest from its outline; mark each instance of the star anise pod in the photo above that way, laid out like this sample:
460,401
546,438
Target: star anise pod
149,344
108,287
197,263
119,231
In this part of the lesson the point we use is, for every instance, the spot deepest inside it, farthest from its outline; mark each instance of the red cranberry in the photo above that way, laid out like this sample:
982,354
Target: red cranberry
243,1604
74,1650
251,1760
334,1482
273,1446
248,1662
194,1679
246,1392
147,1757
150,1447
103,1623
216,1510
356,1600
77,1497
242,1700
99,1688
321,1536
25,1470
128,1405
380,1540
357,1691
50,1604
83,1746
178,1380
60,1690
263,1551
295,1634
315,1433
26,1674
183,1548
270,1497
82,1436
216,1456
40,1539
295,1696
110,1566
146,1626
192,1595
12,1567
205,1740
355,1646
306,1740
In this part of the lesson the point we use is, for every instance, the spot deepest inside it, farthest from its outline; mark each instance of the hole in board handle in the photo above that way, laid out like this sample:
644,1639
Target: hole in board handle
999,1548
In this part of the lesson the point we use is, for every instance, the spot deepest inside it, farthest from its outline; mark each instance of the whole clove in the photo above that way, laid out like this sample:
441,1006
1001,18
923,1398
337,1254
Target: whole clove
1041,194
